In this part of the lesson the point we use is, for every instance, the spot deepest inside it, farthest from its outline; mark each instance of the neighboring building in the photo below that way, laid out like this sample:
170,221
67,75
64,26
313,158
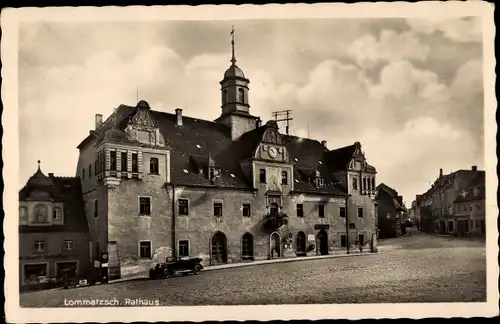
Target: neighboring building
157,184
390,211
53,231
436,206
470,208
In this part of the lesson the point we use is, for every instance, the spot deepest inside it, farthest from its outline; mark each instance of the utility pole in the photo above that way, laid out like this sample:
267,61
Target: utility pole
283,115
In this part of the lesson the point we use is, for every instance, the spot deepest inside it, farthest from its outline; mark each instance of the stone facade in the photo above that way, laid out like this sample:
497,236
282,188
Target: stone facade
229,190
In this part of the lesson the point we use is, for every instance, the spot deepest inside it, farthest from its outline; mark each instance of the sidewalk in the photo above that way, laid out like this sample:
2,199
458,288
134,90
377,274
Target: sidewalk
254,263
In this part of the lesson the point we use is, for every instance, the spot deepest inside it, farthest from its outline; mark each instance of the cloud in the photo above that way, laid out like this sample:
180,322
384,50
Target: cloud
391,46
380,90
467,29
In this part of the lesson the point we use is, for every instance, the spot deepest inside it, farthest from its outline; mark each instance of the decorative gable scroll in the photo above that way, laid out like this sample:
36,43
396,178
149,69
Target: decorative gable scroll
143,128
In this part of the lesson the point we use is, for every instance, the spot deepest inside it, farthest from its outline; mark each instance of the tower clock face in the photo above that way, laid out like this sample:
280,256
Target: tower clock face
273,152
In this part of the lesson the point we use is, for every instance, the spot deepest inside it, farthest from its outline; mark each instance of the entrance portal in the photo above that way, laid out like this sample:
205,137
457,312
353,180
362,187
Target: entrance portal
275,245
322,239
219,248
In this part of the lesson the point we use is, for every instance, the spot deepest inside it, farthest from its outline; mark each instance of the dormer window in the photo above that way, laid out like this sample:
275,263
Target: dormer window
214,173
354,184
41,214
319,182
23,214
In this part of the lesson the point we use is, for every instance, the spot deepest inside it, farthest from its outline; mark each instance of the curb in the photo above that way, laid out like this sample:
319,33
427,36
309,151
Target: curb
255,263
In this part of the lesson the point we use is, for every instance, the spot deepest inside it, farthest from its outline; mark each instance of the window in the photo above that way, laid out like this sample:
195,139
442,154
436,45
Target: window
241,94
112,160
39,246
246,210
124,162
144,206
57,215
135,166
145,249
183,207
284,177
96,208
470,207
90,170
343,240
274,209
352,226
23,213
33,272
95,167
224,96
153,166
342,211
262,175
361,239
183,248
300,210
360,212
218,209
478,207
83,174
354,184
321,210
364,184
69,245
373,183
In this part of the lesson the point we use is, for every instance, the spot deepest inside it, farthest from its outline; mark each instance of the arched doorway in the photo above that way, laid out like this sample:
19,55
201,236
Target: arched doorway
301,244
218,251
322,239
275,245
247,247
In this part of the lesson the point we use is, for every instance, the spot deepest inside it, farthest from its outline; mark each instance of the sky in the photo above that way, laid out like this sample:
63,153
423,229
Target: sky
410,90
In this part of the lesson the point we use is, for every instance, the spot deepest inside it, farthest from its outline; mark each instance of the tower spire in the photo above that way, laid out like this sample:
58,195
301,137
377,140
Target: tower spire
38,164
233,57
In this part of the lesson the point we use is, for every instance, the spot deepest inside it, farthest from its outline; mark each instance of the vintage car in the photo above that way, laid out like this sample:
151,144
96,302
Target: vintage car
174,266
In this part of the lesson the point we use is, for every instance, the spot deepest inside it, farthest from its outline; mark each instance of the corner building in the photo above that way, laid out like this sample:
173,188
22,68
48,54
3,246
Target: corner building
157,184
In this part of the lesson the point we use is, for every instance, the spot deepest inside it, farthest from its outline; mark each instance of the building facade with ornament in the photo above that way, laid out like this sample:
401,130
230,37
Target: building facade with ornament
53,231
158,184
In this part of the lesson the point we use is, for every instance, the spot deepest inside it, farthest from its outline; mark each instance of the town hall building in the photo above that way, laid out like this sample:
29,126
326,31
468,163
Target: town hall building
159,184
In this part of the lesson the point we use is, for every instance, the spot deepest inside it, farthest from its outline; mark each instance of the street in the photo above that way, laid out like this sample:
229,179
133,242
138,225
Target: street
415,268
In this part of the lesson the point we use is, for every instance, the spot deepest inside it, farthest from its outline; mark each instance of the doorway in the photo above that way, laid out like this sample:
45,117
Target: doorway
322,239
219,248
301,244
275,245
247,247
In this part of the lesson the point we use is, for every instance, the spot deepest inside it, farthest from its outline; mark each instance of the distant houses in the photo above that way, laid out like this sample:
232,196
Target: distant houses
455,204
391,211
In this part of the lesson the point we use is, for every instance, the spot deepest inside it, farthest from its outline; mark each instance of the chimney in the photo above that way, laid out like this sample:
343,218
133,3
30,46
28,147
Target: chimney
323,143
440,173
178,113
51,175
474,168
98,121
259,122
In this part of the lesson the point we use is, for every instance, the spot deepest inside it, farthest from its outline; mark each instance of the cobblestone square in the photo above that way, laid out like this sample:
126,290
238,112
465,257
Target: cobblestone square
415,268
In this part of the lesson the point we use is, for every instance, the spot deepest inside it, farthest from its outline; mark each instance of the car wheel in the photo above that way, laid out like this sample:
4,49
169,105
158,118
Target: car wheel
197,269
166,273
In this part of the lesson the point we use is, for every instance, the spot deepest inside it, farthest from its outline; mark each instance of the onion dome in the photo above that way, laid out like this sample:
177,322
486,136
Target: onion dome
39,179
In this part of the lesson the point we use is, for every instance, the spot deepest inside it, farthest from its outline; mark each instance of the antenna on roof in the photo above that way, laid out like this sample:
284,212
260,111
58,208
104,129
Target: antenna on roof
137,93
285,116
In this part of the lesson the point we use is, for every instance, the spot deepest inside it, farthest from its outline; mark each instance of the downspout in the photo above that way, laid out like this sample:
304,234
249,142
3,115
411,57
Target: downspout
174,244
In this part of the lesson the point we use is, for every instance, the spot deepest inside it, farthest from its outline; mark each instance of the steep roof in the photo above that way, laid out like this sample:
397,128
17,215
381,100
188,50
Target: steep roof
66,190
475,190
198,140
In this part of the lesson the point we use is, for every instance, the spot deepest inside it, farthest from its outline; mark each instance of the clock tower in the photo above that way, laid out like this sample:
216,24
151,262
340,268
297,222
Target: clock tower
234,99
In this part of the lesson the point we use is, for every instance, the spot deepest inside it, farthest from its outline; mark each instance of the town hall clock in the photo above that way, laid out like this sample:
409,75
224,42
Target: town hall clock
273,152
